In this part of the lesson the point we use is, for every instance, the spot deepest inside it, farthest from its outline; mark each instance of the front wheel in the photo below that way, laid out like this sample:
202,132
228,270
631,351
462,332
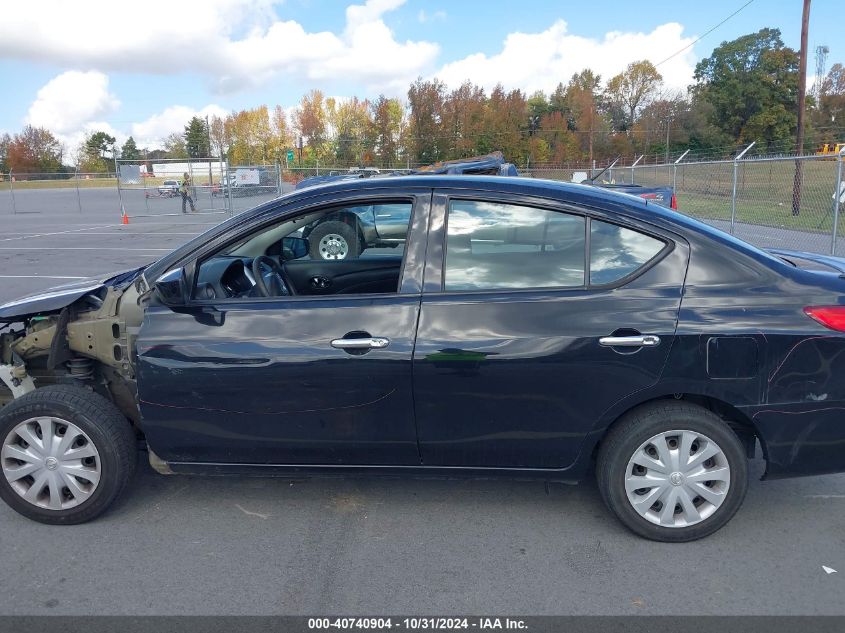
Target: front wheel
672,471
66,454
334,240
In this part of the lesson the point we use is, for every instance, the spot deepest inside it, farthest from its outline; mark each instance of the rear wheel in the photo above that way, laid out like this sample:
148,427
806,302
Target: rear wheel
672,471
334,240
66,454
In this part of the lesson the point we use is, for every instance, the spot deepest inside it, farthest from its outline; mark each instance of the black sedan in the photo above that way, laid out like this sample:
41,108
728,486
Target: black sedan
524,328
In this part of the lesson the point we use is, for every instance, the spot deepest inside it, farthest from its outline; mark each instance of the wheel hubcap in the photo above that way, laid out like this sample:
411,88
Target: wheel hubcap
677,478
51,463
333,246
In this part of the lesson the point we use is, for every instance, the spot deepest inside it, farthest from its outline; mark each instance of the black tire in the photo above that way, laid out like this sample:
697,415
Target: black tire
347,232
110,432
645,422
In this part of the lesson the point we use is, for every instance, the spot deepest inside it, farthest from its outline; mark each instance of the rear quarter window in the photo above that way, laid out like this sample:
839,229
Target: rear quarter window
616,252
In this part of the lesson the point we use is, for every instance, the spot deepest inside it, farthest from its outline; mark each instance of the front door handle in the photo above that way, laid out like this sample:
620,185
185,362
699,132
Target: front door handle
642,340
374,342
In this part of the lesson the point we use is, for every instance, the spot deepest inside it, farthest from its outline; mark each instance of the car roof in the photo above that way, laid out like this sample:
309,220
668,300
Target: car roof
540,187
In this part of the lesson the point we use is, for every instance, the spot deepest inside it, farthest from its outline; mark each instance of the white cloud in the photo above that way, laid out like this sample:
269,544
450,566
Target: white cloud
150,132
69,101
71,104
233,42
539,61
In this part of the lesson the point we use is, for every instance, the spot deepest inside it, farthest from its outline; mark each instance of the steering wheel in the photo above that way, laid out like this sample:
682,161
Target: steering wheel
269,277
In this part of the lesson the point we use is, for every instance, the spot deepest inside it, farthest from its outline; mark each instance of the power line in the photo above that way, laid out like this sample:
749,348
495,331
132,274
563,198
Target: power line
701,37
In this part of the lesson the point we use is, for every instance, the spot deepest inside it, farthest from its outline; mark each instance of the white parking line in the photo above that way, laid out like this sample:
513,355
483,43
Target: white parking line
26,236
80,248
136,234
38,277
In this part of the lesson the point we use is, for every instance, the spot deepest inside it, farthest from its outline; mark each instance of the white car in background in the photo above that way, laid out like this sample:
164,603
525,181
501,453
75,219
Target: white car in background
169,188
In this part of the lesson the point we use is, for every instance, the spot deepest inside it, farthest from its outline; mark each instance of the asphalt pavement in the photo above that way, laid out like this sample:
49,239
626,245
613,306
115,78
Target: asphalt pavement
192,545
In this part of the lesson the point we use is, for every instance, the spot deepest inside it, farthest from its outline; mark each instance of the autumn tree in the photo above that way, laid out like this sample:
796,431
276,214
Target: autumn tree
348,124
174,145
830,111
505,122
463,121
310,123
220,136
281,133
426,116
634,88
386,125
582,104
34,150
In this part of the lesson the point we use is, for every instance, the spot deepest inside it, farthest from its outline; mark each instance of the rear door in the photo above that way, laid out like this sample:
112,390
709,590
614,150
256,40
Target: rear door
536,317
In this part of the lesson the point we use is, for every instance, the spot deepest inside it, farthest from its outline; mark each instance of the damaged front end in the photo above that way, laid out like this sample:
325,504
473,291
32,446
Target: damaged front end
83,333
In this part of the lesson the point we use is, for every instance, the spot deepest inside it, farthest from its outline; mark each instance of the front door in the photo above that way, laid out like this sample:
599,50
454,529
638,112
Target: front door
249,379
536,318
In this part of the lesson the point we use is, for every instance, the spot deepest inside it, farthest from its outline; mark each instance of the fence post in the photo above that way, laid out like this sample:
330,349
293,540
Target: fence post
78,199
117,175
210,184
12,191
278,178
675,170
229,190
837,195
733,194
146,194
634,164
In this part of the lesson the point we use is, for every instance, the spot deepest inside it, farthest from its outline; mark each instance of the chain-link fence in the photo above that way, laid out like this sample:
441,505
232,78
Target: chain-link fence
753,198
146,189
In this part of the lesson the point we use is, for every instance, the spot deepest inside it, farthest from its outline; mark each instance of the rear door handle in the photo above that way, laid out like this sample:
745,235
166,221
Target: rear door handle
643,340
375,342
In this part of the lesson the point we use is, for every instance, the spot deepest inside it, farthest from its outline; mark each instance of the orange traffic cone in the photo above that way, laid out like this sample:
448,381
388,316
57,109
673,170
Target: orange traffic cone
125,218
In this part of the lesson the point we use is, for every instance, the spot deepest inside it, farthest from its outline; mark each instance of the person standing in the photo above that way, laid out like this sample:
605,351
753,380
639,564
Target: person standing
185,190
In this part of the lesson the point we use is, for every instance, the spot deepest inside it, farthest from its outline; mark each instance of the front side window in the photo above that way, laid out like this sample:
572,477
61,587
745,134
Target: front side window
616,252
493,246
354,249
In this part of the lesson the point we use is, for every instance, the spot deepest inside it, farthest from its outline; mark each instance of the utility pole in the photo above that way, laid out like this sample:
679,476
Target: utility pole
802,91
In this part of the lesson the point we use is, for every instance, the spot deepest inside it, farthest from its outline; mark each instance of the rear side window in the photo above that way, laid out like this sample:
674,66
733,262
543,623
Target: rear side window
492,246
616,252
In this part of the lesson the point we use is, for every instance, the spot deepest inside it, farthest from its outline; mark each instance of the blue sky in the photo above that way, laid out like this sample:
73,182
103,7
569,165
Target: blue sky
120,66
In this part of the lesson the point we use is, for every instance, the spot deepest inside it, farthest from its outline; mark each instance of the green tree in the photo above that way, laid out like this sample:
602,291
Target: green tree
98,144
5,141
130,151
751,83
196,138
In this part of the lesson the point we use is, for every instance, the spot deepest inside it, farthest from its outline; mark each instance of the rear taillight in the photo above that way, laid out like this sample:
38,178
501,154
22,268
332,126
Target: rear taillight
832,317
674,203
